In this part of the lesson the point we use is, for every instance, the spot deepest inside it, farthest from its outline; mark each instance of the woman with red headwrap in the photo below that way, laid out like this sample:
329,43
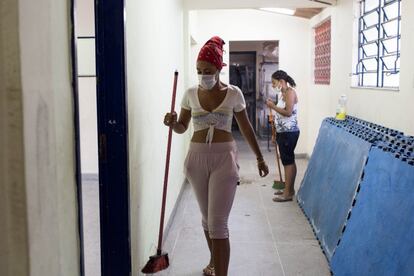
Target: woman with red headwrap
211,163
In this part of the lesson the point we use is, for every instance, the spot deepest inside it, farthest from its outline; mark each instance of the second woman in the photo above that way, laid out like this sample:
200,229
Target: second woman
287,129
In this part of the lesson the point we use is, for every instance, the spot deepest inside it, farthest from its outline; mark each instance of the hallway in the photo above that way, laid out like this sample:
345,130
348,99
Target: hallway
266,238
103,71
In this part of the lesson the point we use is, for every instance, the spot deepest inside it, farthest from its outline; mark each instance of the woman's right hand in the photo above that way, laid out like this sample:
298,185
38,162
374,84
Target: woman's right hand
262,166
270,103
170,119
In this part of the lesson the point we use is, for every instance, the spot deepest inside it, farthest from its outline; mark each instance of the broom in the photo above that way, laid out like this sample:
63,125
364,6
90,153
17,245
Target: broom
278,185
160,261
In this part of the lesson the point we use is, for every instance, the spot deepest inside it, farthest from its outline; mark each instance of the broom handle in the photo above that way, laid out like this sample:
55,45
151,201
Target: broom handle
278,162
276,149
167,166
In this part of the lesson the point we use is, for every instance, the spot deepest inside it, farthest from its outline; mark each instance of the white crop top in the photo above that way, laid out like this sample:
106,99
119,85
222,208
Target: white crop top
221,117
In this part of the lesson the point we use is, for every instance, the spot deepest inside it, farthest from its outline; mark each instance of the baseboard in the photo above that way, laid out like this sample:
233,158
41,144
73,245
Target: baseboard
302,156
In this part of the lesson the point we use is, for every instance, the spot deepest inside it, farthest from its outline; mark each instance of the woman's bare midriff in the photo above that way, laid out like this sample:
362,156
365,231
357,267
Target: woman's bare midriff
220,136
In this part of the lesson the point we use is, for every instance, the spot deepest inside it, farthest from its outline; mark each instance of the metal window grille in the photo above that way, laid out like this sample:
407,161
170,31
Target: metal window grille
379,36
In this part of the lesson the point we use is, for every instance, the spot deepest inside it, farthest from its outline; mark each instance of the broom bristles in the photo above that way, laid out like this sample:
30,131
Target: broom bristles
278,185
156,263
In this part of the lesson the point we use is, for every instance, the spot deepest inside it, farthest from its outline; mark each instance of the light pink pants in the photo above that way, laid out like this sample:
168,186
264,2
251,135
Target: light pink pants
213,172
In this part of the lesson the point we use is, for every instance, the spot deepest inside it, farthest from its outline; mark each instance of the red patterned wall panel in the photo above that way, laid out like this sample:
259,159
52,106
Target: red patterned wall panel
323,53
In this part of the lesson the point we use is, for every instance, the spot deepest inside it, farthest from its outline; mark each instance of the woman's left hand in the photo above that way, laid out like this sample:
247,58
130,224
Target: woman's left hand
263,169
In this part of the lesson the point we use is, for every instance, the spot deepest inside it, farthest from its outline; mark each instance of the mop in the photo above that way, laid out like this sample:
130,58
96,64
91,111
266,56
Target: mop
278,185
160,261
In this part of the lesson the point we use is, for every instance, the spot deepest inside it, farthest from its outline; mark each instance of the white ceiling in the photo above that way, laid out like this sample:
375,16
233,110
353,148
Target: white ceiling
252,4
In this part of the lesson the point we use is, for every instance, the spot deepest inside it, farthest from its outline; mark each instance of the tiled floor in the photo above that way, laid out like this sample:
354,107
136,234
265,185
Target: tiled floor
267,238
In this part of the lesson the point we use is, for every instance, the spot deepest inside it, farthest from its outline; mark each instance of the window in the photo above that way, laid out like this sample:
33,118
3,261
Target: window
379,35
322,72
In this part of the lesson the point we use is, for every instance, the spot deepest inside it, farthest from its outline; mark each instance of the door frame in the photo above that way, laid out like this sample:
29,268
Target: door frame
111,87
112,137
78,167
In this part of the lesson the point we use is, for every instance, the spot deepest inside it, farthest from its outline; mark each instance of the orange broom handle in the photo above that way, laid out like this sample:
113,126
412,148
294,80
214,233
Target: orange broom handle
271,119
167,166
278,162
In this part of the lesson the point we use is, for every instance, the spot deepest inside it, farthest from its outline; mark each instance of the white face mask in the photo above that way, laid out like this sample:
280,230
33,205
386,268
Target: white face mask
207,82
277,88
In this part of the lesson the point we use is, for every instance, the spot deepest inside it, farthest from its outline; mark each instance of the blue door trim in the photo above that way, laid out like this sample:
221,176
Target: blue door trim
112,137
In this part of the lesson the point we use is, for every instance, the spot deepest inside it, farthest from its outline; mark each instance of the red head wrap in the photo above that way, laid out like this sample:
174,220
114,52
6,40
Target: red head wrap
212,52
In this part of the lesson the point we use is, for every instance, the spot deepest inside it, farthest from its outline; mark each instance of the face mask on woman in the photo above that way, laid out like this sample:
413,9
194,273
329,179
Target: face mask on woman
276,86
207,82
278,89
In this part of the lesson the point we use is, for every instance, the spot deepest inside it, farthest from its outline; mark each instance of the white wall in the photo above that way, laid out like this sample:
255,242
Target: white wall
14,250
155,46
244,25
393,109
48,137
88,125
320,96
85,26
85,17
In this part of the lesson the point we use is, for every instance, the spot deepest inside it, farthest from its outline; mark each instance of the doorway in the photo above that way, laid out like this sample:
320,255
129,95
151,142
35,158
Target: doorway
86,115
251,65
243,75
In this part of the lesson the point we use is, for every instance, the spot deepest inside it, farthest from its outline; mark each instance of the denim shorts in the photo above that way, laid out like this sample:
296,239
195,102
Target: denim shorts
287,143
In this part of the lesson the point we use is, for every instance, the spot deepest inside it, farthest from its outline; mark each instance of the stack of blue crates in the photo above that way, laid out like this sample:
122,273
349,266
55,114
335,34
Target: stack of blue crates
358,195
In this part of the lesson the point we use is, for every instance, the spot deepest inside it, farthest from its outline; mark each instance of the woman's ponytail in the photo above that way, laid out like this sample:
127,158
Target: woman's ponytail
282,75
290,81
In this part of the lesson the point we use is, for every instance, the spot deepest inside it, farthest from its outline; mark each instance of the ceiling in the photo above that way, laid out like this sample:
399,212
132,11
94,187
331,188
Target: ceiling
253,4
307,12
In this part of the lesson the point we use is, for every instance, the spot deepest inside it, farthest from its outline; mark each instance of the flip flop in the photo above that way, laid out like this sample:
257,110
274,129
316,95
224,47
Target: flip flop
278,192
209,271
281,198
